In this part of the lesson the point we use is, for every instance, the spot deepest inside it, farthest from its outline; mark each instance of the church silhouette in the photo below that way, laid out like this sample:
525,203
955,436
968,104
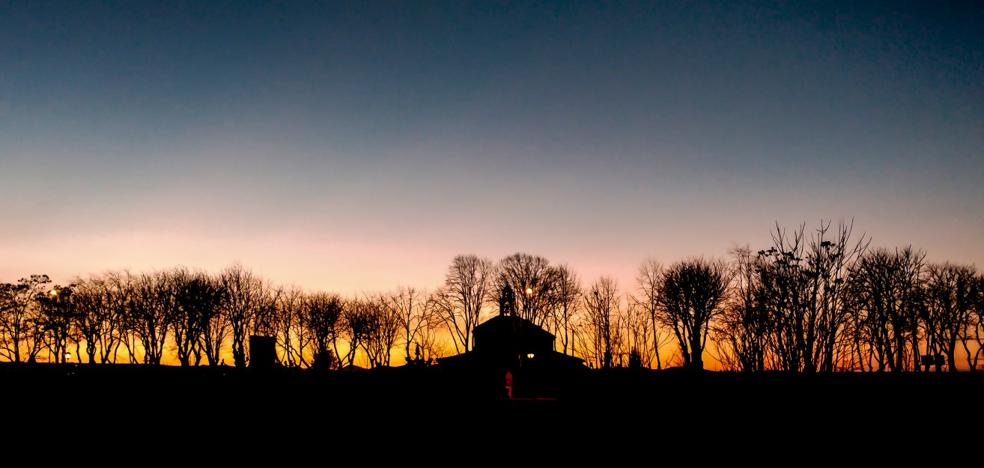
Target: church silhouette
511,343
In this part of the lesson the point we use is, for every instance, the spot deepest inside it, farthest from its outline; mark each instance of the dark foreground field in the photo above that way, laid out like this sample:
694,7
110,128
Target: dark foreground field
161,404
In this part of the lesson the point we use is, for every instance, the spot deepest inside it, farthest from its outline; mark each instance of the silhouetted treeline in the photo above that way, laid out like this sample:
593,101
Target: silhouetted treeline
813,301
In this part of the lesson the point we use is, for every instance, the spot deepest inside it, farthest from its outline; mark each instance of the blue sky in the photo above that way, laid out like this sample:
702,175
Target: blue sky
356,146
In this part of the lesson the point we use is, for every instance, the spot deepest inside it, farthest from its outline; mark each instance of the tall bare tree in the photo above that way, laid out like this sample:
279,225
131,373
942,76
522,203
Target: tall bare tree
885,292
215,327
567,293
115,299
647,283
410,307
600,338
246,299
691,294
431,340
801,280
359,319
830,255
120,300
92,316
534,282
383,331
149,317
196,298
57,315
949,305
459,303
742,333
20,331
323,321
639,333
975,329
9,333
292,336
785,295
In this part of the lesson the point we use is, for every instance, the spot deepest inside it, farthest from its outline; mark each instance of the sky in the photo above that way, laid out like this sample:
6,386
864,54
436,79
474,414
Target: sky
359,146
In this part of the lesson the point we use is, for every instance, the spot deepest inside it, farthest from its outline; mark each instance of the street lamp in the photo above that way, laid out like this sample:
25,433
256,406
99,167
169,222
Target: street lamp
527,306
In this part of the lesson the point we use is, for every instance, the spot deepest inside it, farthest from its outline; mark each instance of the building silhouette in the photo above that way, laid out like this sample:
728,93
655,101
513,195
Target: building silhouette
508,342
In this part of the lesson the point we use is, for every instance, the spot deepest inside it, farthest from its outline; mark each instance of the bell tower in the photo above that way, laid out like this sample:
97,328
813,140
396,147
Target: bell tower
507,301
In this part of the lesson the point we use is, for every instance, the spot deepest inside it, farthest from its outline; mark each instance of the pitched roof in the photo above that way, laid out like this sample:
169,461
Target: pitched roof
508,324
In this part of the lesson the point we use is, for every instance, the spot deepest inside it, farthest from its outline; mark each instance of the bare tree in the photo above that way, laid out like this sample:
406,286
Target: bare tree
410,307
292,336
742,333
430,341
975,329
359,316
382,332
830,254
115,299
196,298
120,291
600,341
215,326
784,294
323,320
802,287
264,320
20,331
9,333
246,299
949,304
691,293
647,281
567,293
639,334
152,300
57,314
460,301
92,316
534,281
885,292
